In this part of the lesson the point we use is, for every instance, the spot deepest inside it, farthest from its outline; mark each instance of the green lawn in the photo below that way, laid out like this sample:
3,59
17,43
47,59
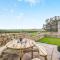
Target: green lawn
50,40
33,33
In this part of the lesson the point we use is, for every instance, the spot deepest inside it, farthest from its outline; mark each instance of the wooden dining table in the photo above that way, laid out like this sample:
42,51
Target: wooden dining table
22,45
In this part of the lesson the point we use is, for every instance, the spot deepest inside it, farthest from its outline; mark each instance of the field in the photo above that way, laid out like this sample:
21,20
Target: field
50,40
19,30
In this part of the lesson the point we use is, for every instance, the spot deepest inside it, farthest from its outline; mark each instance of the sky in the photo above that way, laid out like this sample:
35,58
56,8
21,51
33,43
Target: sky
27,14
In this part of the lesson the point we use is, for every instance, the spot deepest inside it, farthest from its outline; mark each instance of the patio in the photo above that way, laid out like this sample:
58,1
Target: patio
52,52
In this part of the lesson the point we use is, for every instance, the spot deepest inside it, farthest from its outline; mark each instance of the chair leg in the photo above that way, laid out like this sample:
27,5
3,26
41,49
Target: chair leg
45,57
20,58
32,53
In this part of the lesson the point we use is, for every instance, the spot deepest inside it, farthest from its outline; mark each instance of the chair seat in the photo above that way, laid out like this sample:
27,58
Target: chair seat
42,50
35,59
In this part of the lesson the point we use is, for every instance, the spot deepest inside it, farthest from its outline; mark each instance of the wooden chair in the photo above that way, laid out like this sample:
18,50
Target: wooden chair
2,49
42,51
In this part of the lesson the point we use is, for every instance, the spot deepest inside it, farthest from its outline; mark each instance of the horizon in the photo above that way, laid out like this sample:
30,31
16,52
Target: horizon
21,29
27,14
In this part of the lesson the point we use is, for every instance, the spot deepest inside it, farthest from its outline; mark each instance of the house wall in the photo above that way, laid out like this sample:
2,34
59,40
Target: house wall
59,27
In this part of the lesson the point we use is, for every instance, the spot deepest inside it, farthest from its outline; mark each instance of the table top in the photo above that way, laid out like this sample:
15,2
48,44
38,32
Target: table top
17,44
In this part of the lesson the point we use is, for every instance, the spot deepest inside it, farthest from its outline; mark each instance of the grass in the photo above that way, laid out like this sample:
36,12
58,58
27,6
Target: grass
50,40
33,33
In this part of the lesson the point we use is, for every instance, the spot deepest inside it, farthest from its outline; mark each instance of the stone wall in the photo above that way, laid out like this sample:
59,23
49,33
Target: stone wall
6,37
52,34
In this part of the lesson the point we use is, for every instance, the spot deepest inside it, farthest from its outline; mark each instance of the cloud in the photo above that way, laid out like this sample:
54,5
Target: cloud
19,0
32,2
12,11
20,16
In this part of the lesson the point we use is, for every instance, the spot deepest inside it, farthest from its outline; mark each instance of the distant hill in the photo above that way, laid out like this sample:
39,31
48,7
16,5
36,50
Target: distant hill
18,30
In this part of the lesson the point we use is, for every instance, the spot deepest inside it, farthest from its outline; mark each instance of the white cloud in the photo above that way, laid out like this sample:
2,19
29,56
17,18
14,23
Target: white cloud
12,11
19,0
20,16
32,2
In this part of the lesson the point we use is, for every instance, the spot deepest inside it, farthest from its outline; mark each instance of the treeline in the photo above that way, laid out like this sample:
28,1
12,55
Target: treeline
18,31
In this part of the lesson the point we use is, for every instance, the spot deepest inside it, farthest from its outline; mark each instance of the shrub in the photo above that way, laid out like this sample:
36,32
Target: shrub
58,48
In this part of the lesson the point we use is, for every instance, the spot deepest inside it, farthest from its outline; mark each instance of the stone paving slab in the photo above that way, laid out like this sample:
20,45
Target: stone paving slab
53,54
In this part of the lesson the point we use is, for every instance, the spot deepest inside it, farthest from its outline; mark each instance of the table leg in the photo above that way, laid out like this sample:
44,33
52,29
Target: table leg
21,54
20,58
